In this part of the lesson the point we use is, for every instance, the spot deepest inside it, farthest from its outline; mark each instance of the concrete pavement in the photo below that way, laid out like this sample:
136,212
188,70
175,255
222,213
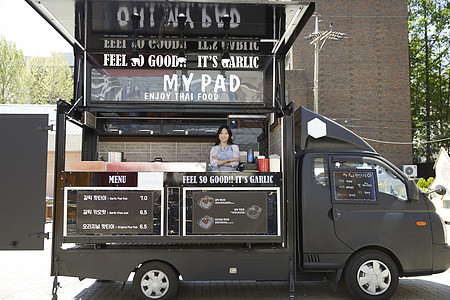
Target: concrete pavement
26,275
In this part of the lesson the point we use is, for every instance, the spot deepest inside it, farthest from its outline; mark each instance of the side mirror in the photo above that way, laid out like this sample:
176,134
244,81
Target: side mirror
413,191
440,190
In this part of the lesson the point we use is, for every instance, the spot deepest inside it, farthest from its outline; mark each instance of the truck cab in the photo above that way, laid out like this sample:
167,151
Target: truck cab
360,214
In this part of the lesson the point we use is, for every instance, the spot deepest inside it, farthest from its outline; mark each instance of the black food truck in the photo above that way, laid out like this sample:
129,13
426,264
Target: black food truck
154,80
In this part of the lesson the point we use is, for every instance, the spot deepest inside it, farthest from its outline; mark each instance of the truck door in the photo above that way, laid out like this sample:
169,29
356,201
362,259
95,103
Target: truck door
371,208
23,152
320,248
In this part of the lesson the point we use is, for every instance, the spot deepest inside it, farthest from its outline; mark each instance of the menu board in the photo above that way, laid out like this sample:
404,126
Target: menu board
114,212
229,212
354,185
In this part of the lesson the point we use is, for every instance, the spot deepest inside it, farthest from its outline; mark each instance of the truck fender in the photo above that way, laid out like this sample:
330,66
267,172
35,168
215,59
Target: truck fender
156,260
385,251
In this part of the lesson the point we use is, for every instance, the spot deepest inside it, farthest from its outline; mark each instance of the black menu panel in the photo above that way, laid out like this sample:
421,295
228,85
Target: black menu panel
229,212
114,212
356,186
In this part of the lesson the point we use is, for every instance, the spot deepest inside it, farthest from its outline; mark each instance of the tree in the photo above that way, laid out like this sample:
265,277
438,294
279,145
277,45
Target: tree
429,45
49,79
12,70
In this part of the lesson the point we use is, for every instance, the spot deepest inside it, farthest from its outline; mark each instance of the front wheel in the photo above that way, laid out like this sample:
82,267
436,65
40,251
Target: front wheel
155,280
371,274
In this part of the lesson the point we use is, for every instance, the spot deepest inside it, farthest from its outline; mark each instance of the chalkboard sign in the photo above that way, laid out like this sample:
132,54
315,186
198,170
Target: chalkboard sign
114,212
356,186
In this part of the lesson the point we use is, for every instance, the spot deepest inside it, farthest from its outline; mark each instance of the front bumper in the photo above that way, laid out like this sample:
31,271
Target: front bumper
441,258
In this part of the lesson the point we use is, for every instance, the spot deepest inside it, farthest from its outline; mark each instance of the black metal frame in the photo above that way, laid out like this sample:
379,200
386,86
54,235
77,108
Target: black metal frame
279,253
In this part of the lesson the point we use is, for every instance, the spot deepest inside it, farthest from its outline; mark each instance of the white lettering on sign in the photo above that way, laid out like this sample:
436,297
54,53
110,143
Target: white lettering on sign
206,20
242,62
166,61
189,179
114,44
169,45
176,45
235,83
187,81
171,82
117,179
237,62
171,61
232,46
221,179
207,16
157,96
261,179
243,46
115,60
206,80
220,83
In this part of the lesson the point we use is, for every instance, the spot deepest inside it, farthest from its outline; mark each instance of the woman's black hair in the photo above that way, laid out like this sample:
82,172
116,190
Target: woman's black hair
230,134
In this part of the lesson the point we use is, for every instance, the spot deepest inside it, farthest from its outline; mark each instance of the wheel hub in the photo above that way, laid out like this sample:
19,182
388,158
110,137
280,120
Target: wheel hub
155,284
374,277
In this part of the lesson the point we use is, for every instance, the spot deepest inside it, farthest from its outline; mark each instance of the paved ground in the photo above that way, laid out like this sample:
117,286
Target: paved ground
25,275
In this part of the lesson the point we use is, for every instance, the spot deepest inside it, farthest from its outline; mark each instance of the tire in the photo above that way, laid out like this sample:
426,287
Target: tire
371,274
155,280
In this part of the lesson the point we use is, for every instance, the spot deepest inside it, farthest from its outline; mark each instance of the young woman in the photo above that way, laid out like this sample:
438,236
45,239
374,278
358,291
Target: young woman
224,156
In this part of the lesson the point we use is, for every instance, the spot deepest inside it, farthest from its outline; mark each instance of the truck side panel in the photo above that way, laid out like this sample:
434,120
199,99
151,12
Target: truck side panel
192,264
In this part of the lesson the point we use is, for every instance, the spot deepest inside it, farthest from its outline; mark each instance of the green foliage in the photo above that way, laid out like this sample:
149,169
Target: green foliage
49,79
424,184
35,80
429,181
429,43
12,71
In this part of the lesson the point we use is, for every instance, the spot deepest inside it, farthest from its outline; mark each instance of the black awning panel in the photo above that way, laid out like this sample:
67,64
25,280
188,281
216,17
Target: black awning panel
275,24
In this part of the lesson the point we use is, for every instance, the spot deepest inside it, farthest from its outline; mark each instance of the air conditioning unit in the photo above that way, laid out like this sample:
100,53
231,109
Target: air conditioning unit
410,170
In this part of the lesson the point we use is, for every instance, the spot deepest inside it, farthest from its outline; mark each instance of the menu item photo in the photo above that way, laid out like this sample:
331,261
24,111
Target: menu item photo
206,222
206,202
253,212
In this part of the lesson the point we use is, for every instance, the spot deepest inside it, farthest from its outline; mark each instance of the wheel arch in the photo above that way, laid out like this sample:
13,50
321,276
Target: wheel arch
156,260
383,250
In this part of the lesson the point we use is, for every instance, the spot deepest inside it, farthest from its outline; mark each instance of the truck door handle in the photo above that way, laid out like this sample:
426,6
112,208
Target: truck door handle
335,214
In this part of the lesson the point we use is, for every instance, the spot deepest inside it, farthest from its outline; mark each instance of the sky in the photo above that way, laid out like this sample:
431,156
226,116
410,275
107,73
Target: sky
19,23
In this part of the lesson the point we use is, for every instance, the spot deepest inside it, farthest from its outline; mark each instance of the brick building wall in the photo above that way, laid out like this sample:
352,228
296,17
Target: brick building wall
168,151
363,80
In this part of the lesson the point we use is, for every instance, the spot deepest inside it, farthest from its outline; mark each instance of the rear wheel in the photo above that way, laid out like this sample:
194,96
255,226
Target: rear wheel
371,274
155,280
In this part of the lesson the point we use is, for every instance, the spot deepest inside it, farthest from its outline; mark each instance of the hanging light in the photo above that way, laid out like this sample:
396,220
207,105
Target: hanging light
181,57
226,59
226,19
135,57
181,18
